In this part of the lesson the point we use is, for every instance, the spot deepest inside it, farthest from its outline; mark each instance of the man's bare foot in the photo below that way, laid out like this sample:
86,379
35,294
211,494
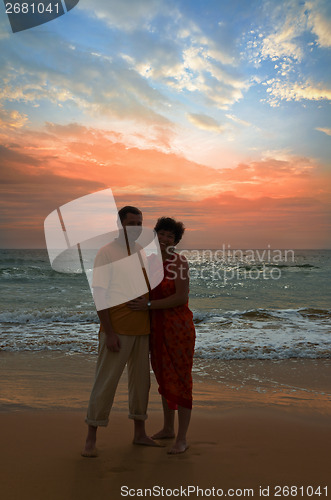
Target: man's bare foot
145,441
91,439
164,434
178,447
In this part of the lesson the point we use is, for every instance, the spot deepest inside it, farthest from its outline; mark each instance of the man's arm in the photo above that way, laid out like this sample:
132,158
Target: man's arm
113,342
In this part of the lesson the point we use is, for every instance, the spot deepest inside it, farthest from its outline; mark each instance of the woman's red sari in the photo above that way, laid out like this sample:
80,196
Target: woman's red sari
172,345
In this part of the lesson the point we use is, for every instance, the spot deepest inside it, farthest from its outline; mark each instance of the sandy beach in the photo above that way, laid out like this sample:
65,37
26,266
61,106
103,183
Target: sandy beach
258,427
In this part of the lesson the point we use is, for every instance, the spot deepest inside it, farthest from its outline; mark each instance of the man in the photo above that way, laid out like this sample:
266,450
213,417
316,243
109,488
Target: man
123,338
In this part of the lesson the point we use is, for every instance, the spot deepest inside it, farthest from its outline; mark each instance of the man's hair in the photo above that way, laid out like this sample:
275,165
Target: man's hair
169,224
123,212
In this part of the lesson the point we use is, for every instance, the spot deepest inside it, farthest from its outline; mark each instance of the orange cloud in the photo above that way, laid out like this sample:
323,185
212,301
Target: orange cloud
279,202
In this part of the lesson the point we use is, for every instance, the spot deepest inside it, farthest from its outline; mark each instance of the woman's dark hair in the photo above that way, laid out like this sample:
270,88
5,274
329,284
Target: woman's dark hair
169,224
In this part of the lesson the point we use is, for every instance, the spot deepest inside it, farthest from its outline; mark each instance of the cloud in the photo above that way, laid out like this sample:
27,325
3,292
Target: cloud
255,223
296,92
278,38
325,130
190,64
281,44
126,15
77,79
238,120
285,38
172,50
41,170
290,22
147,78
96,156
200,72
205,122
276,179
319,19
30,191
77,152
12,119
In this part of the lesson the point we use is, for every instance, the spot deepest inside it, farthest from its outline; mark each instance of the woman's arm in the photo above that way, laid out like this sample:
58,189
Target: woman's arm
179,271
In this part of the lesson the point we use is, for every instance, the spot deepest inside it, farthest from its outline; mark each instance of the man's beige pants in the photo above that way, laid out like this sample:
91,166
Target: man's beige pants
110,365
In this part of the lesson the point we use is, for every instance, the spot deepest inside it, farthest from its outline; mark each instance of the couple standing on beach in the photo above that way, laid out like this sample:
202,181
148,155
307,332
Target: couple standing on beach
124,337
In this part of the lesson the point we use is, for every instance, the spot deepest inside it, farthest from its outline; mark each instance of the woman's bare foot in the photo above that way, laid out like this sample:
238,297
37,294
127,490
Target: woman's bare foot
178,447
89,453
164,434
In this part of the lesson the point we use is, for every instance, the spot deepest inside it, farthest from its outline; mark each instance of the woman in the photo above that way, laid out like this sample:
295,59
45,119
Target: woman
172,334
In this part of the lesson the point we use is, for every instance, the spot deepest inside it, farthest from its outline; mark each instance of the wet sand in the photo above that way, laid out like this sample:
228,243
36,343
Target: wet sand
254,425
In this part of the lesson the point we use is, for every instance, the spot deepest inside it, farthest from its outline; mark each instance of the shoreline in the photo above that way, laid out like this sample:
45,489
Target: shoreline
50,380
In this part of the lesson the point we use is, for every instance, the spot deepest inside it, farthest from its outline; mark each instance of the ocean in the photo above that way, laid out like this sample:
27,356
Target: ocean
262,304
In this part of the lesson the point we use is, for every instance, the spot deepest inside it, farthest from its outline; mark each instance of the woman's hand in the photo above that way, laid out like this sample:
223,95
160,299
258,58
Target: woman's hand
139,304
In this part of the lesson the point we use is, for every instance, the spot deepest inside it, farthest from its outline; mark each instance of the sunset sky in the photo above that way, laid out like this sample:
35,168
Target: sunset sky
215,112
